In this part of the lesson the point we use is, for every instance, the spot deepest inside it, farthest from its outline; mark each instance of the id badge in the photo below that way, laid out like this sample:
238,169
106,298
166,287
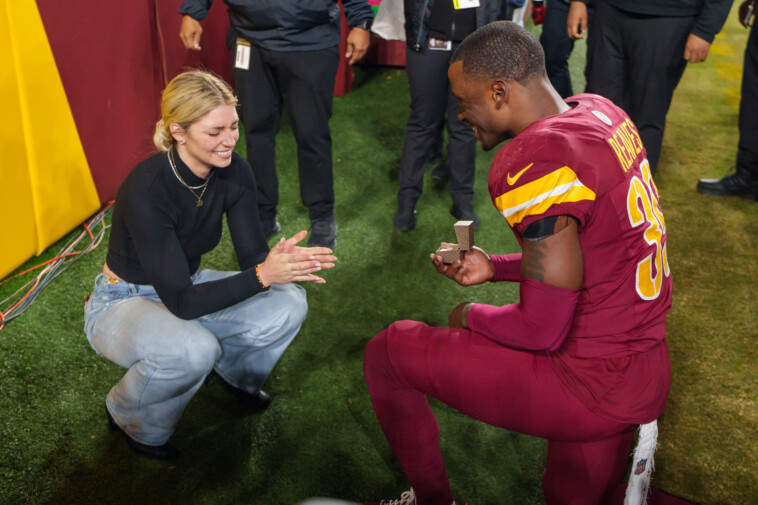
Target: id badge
242,58
440,45
465,4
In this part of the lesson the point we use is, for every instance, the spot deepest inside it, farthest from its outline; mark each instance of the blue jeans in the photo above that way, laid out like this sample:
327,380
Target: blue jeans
168,358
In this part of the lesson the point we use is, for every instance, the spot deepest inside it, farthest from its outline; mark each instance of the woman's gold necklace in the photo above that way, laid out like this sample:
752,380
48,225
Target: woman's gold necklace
191,188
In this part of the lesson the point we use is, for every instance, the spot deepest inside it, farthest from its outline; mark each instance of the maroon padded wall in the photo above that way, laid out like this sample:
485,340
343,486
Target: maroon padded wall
113,62
115,57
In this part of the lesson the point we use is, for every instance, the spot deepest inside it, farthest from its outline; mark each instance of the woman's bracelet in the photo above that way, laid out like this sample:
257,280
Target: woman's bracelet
258,275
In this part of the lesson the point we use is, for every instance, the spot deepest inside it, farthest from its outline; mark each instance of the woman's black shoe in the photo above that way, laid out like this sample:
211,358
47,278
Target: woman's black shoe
257,401
165,451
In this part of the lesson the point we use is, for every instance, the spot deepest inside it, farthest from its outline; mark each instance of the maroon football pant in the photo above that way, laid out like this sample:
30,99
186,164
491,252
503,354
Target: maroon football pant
515,390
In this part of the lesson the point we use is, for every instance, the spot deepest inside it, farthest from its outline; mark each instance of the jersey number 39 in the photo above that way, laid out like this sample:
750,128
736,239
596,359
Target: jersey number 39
643,209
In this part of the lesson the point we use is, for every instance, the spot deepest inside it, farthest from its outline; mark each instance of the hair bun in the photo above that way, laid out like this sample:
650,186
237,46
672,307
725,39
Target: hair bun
162,137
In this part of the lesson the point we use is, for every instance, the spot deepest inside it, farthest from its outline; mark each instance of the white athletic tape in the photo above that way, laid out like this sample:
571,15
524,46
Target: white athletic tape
639,478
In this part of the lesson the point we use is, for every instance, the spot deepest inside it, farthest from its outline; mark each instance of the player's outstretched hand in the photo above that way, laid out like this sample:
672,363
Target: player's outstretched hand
474,268
287,262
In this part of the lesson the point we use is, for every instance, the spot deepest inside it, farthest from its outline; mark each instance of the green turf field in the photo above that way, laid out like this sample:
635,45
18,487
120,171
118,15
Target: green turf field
320,436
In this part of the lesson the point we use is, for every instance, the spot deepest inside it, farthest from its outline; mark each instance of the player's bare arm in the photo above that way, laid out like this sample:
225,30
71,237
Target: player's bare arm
551,252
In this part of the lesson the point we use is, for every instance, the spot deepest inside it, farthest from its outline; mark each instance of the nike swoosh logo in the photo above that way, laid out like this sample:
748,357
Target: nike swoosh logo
512,180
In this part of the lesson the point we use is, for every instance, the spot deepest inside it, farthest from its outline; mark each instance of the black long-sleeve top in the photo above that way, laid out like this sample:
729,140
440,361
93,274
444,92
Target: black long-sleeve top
158,233
710,14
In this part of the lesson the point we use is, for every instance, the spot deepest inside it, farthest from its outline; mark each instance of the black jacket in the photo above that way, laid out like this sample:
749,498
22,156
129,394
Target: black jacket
417,18
286,25
710,15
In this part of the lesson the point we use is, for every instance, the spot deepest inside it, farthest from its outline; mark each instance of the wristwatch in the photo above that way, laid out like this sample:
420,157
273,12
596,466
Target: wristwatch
366,25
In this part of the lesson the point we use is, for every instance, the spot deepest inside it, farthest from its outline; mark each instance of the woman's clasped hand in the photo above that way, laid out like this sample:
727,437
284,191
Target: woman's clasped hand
288,262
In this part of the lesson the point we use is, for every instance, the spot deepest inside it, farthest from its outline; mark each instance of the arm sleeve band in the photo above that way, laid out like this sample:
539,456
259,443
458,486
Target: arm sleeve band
539,322
507,267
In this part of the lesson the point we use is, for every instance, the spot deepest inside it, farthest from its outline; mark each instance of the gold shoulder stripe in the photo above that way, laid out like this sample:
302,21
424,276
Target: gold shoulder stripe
537,196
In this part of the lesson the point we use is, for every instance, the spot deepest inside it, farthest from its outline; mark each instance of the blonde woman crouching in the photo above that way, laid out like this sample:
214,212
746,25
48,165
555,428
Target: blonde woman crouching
154,312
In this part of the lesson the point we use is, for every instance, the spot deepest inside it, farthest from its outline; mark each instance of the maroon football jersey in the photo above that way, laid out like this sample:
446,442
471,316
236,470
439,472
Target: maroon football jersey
589,163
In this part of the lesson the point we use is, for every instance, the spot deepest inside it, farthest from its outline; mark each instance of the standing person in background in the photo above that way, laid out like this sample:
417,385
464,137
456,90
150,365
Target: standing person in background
154,312
433,29
639,51
286,54
514,10
744,182
558,45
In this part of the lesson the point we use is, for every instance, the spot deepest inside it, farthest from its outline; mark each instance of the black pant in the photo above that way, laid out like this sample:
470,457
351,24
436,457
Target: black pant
432,102
506,11
747,151
302,82
558,46
637,62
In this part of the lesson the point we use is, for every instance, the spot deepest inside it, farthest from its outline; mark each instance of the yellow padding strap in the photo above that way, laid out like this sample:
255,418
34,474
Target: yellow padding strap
46,187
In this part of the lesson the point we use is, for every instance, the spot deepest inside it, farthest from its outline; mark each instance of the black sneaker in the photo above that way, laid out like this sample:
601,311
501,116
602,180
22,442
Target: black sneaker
323,233
729,185
271,227
465,213
405,218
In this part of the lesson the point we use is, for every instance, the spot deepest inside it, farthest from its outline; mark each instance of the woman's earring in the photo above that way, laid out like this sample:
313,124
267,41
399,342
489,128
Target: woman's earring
181,142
